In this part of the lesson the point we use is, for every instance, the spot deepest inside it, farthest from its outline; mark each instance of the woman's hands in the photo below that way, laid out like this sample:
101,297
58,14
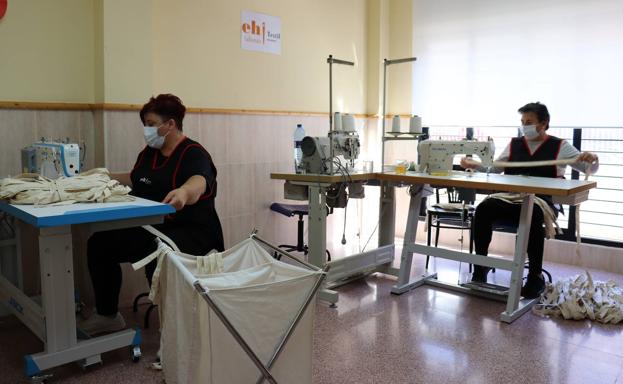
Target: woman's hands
188,194
588,157
470,163
178,198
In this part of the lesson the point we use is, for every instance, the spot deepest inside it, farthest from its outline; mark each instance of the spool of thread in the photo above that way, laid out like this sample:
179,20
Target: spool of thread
415,124
469,133
396,123
348,122
337,121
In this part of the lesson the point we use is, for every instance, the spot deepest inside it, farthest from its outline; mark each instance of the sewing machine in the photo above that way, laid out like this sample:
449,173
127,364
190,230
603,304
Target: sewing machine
317,151
436,156
51,159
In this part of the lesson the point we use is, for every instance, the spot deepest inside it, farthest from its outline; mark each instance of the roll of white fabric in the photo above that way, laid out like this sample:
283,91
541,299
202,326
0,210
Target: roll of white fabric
348,122
415,124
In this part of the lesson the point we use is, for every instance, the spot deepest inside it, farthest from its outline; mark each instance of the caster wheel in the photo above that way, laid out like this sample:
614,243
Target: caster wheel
136,354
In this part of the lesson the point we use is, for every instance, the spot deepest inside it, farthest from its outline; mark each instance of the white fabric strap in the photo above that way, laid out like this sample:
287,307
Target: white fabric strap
162,236
543,163
159,254
146,260
152,256
154,292
210,264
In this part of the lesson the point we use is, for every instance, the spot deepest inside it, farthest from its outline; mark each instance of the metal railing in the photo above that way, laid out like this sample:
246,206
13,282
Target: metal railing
601,217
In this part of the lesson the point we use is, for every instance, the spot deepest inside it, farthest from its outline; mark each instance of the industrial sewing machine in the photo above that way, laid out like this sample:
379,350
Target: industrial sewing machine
436,156
51,159
321,154
318,157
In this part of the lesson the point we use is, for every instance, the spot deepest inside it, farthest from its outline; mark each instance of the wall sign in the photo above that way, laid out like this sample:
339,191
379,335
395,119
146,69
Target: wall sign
3,6
260,32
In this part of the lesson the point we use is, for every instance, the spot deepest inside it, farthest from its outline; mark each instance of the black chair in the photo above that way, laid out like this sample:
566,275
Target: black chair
440,217
149,309
291,210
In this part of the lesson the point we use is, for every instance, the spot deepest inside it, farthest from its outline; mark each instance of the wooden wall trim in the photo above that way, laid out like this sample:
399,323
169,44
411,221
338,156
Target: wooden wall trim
46,106
137,107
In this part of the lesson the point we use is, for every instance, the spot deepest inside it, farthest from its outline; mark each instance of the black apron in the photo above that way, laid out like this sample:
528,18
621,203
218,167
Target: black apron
548,150
154,176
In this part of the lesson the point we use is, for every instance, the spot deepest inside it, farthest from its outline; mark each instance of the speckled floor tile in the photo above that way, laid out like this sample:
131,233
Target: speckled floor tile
430,335
427,335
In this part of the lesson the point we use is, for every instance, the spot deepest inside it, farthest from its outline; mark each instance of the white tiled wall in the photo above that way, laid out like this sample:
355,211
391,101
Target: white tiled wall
20,128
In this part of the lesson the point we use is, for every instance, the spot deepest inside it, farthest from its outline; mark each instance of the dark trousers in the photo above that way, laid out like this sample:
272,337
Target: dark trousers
495,211
106,250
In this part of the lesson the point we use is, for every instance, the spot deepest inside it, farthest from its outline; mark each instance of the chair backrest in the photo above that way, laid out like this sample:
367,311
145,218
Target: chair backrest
458,195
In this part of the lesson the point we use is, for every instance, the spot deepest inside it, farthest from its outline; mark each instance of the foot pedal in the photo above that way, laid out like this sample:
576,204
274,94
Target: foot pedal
487,287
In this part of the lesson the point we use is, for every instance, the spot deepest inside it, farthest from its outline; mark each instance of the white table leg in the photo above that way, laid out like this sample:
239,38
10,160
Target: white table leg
57,288
387,214
317,235
57,294
406,257
513,311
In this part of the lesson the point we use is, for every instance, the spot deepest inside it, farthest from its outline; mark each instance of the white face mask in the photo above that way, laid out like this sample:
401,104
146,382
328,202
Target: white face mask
152,138
529,131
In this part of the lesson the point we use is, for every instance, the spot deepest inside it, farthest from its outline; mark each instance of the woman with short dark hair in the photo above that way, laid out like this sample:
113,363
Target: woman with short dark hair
535,145
172,169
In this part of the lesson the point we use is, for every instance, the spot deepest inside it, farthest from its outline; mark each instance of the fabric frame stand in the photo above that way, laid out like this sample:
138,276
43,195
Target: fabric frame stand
246,315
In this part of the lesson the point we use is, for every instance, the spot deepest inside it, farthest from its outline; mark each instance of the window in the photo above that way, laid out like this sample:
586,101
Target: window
480,60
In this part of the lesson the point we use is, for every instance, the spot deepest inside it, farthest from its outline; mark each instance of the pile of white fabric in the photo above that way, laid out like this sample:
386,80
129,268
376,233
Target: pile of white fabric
549,217
94,186
580,297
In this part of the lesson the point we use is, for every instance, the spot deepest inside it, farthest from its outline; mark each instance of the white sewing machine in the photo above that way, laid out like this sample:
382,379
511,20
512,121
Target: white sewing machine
317,151
436,156
51,159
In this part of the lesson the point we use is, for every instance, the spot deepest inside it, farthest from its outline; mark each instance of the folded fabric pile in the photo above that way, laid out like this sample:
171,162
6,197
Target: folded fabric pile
580,297
94,186
549,217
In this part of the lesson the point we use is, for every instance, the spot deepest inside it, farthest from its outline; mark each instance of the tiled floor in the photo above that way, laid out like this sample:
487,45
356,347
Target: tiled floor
427,335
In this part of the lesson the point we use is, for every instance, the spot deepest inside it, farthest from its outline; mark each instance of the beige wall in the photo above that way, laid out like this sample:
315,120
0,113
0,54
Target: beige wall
197,55
377,36
389,36
46,51
399,76
119,51
124,47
